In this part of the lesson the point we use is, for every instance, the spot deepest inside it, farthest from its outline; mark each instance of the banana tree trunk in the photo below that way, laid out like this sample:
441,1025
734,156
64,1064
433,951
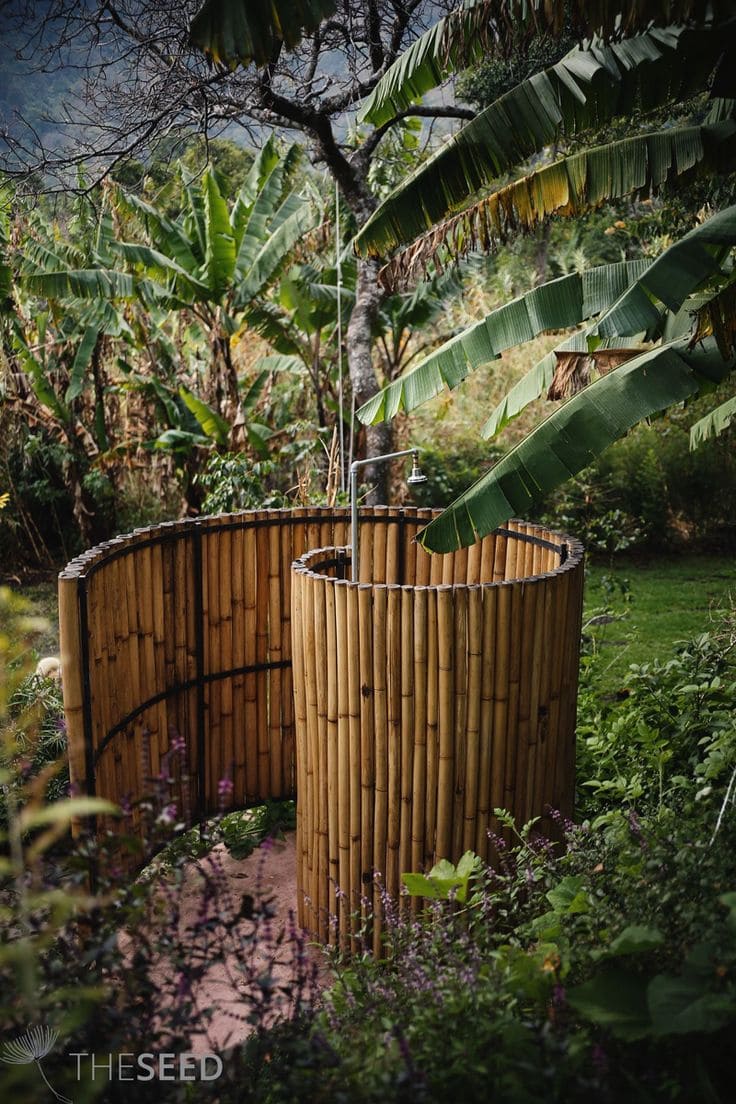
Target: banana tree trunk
378,438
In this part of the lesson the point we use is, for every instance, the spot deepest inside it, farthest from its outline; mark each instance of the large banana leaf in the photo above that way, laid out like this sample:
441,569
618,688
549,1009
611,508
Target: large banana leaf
251,223
168,236
569,187
478,27
713,424
210,422
82,358
584,89
426,63
233,31
219,260
275,250
570,438
671,278
556,305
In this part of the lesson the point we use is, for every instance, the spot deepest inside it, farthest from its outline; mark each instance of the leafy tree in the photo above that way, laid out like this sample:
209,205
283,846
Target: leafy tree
216,261
664,329
148,80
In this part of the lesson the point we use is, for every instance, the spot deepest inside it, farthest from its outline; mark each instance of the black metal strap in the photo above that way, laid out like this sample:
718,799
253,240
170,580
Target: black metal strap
182,688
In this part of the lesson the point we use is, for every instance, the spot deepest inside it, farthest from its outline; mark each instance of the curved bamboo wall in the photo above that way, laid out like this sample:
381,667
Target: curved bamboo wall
427,695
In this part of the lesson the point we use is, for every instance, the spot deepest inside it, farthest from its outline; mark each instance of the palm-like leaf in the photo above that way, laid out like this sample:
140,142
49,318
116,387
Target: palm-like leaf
556,305
574,435
243,31
481,27
584,89
569,187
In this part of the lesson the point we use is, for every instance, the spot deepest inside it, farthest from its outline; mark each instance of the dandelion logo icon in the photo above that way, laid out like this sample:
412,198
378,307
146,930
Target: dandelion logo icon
32,1047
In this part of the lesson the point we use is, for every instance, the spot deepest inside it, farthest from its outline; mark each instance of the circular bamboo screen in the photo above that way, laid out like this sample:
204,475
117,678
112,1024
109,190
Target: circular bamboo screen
433,691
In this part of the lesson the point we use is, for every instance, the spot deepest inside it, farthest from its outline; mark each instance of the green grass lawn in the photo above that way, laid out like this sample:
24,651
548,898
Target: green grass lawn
669,599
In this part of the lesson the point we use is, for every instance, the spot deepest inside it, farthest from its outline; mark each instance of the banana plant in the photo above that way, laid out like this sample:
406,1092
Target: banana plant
658,332
217,262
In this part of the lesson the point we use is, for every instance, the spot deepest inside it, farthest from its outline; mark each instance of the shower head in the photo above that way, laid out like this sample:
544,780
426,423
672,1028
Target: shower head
417,475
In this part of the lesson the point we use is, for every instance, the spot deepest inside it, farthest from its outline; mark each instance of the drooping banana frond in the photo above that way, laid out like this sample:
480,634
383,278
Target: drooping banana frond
583,90
567,188
670,279
570,438
713,424
428,61
539,380
482,27
556,305
219,260
232,31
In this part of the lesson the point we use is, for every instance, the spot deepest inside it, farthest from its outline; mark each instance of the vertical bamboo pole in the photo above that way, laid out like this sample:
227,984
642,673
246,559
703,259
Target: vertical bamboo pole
314,774
288,782
446,711
379,544
408,706
487,735
380,729
460,652
366,550
545,613
250,591
237,576
306,916
423,561
529,590
392,548
393,703
500,692
355,763
70,654
262,630
342,765
472,724
275,655
224,585
474,558
433,663
213,688
499,558
535,681
331,761
367,748
419,756
512,716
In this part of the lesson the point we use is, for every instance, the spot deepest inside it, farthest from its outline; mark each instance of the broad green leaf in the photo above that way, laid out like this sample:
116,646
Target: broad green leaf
279,362
570,438
209,420
179,440
558,304
687,1004
569,895
81,363
219,262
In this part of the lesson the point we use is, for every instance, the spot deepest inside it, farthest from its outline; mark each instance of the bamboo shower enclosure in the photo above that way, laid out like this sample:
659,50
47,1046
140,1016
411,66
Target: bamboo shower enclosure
400,709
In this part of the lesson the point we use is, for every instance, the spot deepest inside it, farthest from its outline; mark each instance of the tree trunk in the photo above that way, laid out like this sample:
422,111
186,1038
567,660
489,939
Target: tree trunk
378,438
